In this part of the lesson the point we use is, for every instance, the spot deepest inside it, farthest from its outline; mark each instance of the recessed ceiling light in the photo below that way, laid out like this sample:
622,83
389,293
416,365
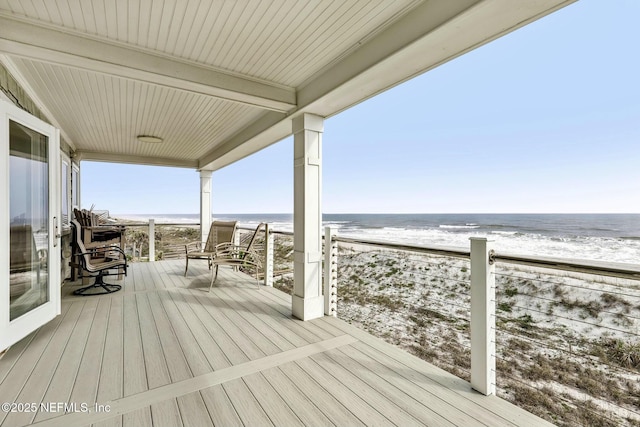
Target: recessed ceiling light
149,138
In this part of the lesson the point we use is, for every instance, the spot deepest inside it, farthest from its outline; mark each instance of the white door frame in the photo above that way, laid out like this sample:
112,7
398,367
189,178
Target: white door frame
15,330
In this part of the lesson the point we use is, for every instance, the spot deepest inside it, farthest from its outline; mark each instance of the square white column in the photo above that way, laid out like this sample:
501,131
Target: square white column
308,302
205,204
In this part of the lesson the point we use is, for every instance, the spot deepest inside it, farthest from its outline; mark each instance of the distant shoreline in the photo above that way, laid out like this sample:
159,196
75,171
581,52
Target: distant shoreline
598,237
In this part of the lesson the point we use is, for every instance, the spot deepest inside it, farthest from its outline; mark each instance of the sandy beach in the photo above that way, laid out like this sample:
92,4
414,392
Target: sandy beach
567,345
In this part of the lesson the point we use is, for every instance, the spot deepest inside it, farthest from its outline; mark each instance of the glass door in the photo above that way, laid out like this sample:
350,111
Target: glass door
29,224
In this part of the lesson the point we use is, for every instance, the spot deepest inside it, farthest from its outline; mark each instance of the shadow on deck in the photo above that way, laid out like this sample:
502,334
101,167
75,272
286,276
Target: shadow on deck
165,352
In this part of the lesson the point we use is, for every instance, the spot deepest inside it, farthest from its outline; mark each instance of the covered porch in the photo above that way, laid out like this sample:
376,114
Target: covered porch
201,89
163,351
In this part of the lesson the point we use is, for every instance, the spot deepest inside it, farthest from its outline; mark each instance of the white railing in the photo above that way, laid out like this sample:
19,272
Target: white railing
513,312
142,238
562,336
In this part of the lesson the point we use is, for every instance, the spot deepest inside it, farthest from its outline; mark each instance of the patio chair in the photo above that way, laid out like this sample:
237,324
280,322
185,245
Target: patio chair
93,235
240,256
219,233
93,231
97,262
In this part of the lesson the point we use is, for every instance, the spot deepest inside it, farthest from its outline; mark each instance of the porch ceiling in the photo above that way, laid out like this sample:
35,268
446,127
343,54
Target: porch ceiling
220,80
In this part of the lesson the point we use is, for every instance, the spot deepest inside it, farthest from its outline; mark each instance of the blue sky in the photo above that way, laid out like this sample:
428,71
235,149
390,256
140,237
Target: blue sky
545,119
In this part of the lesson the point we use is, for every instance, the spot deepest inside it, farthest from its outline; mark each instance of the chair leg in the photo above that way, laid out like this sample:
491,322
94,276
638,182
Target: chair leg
214,276
103,288
186,267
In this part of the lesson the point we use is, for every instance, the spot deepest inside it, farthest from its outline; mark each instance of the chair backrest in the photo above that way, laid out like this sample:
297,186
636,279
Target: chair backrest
86,257
86,218
80,217
253,238
220,232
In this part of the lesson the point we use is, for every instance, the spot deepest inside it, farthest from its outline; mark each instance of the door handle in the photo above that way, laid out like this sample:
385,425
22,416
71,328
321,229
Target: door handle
56,234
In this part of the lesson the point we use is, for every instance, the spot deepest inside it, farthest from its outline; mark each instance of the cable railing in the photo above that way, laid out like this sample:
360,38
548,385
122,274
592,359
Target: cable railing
574,330
565,335
168,243
558,337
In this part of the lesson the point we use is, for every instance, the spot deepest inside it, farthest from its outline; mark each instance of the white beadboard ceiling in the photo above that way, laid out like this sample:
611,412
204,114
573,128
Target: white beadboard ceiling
220,79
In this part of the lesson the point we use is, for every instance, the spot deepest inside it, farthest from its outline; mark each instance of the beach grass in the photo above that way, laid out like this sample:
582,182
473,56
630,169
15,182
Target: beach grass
567,346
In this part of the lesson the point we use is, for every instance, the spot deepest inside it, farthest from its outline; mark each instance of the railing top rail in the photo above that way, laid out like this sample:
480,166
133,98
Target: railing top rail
433,250
612,269
144,224
271,231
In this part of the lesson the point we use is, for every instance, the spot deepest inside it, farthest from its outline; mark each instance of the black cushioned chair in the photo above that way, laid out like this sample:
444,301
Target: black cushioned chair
97,262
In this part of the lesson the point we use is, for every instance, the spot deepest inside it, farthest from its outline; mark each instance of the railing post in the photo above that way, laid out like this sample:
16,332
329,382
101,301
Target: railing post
152,240
268,256
330,273
483,316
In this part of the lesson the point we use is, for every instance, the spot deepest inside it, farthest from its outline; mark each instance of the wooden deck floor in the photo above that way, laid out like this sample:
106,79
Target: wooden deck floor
164,352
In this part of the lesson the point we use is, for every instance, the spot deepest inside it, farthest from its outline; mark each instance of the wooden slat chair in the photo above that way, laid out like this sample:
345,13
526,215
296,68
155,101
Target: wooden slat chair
241,256
219,233
97,262
93,231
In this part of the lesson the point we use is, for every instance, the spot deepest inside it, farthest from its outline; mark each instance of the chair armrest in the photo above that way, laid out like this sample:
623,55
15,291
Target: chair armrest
236,254
105,249
113,228
193,246
252,257
227,250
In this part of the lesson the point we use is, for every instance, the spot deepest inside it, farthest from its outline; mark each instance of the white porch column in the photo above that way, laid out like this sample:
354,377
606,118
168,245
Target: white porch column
483,317
308,302
152,240
205,204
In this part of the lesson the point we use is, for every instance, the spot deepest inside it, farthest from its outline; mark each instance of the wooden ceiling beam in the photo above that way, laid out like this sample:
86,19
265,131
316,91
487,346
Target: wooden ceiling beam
26,39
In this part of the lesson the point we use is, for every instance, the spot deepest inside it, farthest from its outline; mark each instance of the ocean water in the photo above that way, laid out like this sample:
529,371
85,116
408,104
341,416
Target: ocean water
604,237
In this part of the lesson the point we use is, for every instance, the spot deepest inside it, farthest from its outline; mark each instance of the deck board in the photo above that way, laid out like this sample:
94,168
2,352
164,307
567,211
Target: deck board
66,371
227,327
222,349
260,337
277,338
304,408
364,410
274,406
135,370
38,382
385,397
88,377
110,385
164,413
164,351
21,359
307,331
245,404
395,377
220,408
326,401
191,406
